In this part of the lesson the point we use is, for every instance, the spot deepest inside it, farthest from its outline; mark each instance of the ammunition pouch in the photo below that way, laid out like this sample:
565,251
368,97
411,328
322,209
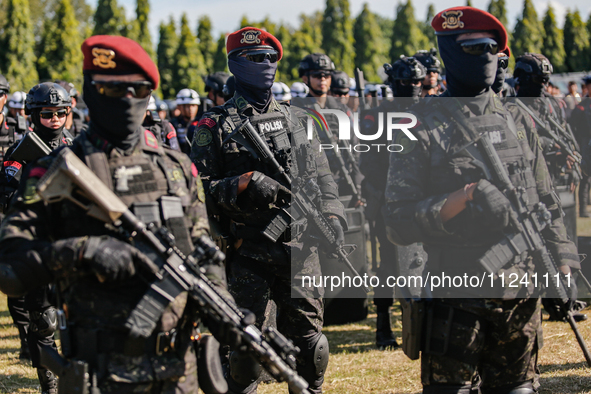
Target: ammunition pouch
453,333
413,315
209,367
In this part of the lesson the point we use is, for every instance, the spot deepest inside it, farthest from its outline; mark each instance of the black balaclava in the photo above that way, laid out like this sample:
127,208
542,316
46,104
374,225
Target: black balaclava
467,75
408,90
497,85
529,88
118,120
253,80
50,136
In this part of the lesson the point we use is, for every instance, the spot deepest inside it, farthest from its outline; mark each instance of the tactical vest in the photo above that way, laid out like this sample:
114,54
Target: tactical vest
153,182
448,157
7,135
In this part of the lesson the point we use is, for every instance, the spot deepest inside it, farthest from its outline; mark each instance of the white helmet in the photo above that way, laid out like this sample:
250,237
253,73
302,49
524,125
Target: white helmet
17,100
281,91
187,96
299,89
152,104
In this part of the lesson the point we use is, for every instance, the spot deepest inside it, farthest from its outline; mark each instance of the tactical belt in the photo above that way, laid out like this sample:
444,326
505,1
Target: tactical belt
90,343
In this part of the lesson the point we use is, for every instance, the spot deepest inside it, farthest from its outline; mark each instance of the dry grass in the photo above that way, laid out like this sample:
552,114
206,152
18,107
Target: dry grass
355,365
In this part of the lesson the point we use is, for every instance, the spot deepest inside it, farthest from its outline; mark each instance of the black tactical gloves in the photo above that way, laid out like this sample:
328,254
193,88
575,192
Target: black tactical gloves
492,208
105,256
335,223
263,190
226,332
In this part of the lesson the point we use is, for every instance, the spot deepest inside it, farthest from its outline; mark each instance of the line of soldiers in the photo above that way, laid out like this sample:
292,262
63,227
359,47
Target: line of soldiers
275,206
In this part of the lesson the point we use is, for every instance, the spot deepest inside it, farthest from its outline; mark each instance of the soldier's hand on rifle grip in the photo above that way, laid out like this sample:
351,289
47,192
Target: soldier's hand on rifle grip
492,208
112,260
263,190
335,223
227,333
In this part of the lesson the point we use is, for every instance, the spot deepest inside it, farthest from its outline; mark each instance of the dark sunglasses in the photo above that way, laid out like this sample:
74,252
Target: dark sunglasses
62,113
260,55
479,46
503,62
320,74
118,89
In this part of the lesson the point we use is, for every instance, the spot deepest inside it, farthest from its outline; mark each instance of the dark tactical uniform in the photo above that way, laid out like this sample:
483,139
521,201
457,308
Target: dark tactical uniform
163,130
97,311
181,125
495,339
8,135
580,121
258,269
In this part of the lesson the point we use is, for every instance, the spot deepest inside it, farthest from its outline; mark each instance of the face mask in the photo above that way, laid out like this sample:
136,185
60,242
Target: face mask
118,120
467,75
529,88
253,80
497,85
48,135
409,90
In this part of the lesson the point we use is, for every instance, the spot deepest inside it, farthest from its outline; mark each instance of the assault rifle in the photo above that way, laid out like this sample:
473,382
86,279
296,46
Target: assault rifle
566,140
529,238
360,88
302,197
69,178
30,148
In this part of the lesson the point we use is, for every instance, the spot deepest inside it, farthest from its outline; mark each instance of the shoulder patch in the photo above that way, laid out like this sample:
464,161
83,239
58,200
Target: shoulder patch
208,122
11,168
203,137
194,171
170,135
407,144
151,140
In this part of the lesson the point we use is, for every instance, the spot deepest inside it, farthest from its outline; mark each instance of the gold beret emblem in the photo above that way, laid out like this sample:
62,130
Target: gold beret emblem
452,20
103,58
250,37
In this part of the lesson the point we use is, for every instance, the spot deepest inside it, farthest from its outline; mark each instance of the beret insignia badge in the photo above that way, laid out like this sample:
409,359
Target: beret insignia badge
452,20
251,37
103,58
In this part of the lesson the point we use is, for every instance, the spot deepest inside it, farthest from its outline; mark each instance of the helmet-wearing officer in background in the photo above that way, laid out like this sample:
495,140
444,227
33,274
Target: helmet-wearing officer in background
340,86
76,118
299,89
246,194
93,264
405,76
16,104
161,128
48,105
214,87
500,86
429,189
433,65
162,109
187,101
11,128
281,91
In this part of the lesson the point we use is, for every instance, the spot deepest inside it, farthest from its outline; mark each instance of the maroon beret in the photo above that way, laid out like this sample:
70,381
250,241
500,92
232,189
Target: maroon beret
458,20
252,38
118,55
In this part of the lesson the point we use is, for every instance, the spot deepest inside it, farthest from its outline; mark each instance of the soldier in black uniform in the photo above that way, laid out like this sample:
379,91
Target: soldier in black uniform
433,65
10,129
247,194
439,196
96,268
162,129
580,120
48,105
405,77
340,86
188,102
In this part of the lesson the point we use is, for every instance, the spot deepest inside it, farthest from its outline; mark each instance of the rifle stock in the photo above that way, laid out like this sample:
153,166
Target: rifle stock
68,177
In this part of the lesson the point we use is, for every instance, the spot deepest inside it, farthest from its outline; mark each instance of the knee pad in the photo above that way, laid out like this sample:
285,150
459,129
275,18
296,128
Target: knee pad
44,323
447,389
244,369
313,359
518,388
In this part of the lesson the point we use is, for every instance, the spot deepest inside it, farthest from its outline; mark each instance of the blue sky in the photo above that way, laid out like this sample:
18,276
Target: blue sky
226,14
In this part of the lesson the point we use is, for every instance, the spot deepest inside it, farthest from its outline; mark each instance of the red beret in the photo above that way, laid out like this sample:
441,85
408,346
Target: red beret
252,38
458,20
118,55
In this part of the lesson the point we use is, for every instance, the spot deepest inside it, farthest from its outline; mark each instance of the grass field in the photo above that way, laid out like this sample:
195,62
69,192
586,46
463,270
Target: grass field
356,366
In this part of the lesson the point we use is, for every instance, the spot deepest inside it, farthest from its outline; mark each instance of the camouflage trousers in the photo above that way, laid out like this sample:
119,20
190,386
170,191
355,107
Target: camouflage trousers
491,341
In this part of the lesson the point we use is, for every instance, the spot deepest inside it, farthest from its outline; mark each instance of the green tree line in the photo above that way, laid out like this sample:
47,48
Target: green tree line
41,39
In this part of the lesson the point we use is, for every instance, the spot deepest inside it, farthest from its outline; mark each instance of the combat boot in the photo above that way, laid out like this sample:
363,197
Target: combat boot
47,380
384,335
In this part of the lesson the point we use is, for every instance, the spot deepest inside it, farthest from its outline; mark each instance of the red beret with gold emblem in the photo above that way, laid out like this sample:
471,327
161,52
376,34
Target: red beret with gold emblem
458,20
118,55
252,38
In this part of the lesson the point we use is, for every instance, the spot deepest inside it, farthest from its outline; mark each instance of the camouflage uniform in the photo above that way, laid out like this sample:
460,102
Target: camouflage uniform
258,269
96,310
495,340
